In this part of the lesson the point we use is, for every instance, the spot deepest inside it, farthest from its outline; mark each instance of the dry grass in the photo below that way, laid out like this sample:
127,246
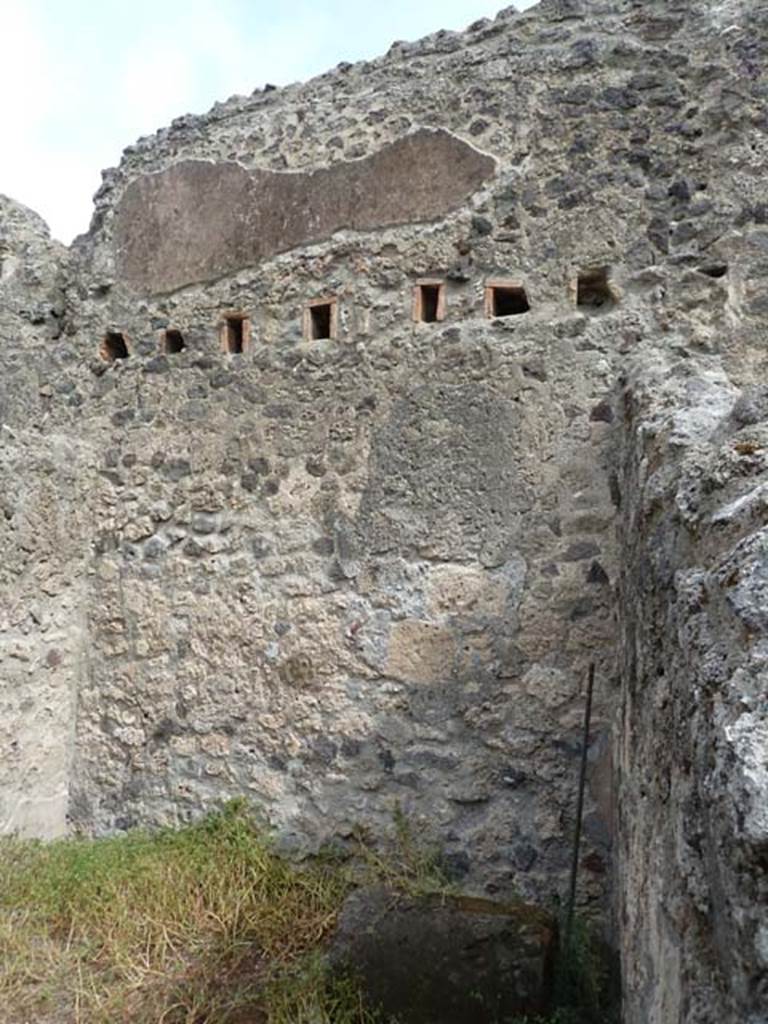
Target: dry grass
204,925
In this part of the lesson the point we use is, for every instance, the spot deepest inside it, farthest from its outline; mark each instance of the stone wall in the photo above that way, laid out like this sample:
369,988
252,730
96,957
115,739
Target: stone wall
694,732
347,575
297,595
366,574
43,537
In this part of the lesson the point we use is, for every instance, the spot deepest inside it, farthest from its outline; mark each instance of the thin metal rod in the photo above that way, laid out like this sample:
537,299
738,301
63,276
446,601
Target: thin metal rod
579,808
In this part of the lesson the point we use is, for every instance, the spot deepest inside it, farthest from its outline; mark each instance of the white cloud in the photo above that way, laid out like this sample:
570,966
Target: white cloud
24,73
23,69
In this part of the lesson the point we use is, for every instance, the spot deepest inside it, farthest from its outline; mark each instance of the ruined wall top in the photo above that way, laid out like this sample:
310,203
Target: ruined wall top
565,98
26,247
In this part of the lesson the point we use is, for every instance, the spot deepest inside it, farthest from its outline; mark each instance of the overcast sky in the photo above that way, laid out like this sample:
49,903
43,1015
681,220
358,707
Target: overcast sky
82,79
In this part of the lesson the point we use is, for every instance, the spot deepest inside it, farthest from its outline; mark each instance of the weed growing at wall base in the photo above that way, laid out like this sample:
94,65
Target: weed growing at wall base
407,864
585,989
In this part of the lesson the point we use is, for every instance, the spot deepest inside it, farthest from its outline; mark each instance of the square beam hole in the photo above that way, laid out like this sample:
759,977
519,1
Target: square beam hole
593,288
320,320
429,302
235,333
506,298
173,342
113,346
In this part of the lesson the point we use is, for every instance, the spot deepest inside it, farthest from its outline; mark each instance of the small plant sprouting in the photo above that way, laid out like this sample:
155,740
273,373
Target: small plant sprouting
408,866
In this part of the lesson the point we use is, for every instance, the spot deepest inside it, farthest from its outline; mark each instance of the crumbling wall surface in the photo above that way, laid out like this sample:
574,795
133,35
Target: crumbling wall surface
326,584
351,575
693,763
43,539
369,572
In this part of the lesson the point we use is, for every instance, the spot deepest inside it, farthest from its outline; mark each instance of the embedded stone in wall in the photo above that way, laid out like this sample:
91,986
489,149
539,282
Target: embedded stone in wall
199,220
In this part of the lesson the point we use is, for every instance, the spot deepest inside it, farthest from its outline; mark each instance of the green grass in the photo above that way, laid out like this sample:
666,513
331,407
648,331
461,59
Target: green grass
203,925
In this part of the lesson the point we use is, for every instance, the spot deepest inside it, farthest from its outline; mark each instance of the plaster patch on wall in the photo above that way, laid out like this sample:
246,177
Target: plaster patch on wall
198,220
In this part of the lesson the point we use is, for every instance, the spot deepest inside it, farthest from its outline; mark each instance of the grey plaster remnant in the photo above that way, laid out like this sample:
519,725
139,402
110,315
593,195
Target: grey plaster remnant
198,220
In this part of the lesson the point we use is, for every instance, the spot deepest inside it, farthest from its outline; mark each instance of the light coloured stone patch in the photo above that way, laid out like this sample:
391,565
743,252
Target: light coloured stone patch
457,591
420,652
749,736
551,686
